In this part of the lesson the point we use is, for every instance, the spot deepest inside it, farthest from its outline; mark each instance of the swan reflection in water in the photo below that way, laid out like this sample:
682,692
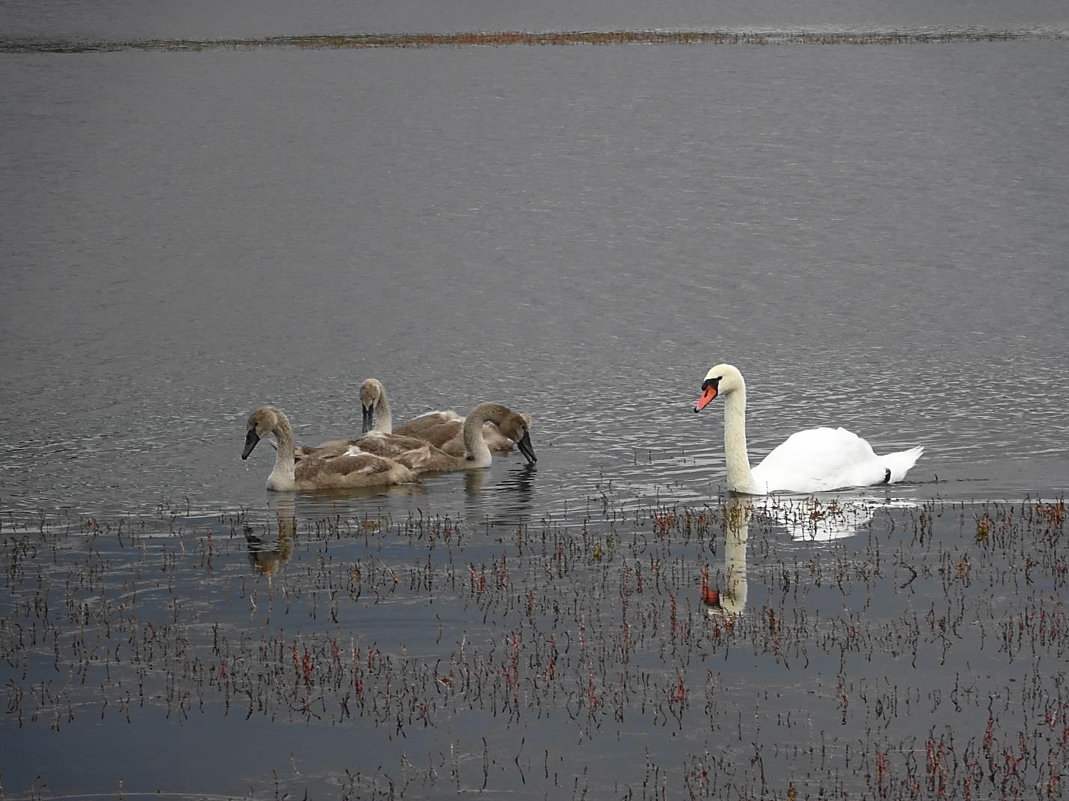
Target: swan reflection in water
815,520
519,481
507,501
806,520
730,597
268,554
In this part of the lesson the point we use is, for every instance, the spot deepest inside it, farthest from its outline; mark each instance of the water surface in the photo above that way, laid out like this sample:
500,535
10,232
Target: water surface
874,235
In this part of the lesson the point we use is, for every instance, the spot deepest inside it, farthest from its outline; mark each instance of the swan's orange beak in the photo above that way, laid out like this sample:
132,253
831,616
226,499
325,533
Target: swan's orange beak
707,395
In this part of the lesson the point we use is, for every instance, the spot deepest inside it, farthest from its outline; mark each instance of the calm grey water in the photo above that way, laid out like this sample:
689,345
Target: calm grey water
875,235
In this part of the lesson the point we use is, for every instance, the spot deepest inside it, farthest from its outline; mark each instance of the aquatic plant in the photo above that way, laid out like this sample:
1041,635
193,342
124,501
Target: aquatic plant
913,658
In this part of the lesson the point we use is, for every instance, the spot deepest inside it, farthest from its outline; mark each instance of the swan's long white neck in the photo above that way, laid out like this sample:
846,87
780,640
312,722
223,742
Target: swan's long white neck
738,458
282,476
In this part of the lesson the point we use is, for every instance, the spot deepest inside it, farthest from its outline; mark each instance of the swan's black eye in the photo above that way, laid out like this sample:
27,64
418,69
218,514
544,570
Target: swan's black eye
711,382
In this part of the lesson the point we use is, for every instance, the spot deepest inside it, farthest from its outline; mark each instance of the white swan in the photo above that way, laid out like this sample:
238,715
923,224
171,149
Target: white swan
815,460
317,471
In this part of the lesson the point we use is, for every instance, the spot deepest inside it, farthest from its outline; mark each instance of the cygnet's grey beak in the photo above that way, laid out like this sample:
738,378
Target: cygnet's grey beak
250,442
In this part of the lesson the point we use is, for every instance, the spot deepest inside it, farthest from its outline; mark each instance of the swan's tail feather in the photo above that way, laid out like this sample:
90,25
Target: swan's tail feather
900,463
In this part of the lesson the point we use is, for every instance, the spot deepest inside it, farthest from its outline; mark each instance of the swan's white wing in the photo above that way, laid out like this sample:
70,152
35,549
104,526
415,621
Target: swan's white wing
819,459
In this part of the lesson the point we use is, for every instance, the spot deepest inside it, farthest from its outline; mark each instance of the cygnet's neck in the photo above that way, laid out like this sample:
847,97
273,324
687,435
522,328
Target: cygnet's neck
476,451
738,459
282,476
383,415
